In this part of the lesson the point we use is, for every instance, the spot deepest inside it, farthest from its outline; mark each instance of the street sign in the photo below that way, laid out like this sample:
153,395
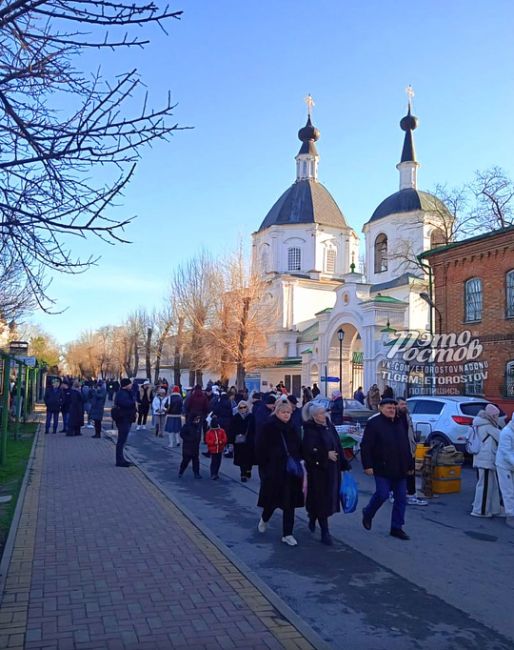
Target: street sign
28,361
18,347
330,380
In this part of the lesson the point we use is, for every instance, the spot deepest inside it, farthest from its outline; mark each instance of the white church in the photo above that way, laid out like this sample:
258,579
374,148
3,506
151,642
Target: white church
336,318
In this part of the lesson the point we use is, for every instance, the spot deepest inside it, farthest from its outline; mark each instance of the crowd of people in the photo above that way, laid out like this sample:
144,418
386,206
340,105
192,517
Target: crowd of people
294,446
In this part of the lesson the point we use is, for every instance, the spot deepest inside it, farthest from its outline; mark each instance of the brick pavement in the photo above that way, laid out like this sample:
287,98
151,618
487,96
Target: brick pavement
103,560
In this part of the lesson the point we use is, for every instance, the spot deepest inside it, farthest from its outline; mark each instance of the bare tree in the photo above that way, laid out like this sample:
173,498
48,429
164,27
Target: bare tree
244,316
494,194
192,286
59,124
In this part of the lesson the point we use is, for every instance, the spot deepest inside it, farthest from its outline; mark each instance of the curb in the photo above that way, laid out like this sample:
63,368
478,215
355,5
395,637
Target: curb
288,614
13,530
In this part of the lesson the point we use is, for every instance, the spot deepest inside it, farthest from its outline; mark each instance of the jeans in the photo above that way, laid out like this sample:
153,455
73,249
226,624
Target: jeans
215,463
49,416
383,486
123,431
98,427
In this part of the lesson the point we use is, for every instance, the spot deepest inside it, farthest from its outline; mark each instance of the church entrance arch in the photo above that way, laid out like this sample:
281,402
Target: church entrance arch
345,361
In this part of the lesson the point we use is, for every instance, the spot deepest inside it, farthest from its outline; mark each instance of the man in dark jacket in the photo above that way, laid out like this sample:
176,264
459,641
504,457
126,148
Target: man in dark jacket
191,434
125,412
53,401
386,455
65,405
337,408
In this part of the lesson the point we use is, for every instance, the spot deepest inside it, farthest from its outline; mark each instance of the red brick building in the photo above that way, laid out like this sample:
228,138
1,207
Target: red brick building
473,290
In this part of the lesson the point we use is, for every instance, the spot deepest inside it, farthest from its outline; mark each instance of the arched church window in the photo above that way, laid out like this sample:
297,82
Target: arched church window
437,238
381,253
294,259
264,260
330,260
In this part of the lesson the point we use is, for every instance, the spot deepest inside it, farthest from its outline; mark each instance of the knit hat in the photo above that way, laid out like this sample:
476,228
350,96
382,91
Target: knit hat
492,411
125,382
269,399
175,389
336,394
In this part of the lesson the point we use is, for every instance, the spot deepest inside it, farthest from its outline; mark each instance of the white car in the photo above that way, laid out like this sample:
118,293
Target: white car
439,418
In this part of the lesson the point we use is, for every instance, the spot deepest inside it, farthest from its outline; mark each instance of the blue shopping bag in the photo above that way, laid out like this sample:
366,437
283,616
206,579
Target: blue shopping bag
349,493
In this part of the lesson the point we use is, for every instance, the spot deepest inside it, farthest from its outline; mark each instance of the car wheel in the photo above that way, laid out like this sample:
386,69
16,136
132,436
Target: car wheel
437,439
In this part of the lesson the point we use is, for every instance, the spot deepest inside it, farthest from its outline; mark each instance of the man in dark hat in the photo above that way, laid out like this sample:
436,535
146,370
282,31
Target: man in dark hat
123,413
386,455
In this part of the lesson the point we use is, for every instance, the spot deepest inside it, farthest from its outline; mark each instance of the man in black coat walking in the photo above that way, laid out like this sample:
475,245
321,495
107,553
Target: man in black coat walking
386,455
124,414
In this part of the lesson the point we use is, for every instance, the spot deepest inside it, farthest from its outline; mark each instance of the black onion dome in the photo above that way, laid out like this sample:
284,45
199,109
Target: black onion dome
409,122
408,200
308,132
305,201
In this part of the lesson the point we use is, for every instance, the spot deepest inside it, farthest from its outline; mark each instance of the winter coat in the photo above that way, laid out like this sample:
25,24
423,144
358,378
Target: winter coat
385,448
223,411
65,400
76,412
53,399
191,435
261,414
359,396
86,392
175,403
197,403
505,452
278,489
96,412
296,421
373,397
323,475
216,440
337,411
490,436
406,421
126,403
244,452
144,398
160,405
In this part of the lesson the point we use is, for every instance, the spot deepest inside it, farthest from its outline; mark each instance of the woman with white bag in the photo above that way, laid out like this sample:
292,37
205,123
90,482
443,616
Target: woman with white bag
487,493
505,469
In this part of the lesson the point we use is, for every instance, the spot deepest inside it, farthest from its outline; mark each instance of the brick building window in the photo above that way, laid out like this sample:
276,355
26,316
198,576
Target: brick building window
473,300
381,253
509,379
509,293
294,259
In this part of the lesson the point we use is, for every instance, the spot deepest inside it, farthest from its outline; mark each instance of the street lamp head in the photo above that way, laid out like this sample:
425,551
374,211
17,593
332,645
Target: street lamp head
340,334
424,296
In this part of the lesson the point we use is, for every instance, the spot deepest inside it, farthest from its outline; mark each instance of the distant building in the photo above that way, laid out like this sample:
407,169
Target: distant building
473,289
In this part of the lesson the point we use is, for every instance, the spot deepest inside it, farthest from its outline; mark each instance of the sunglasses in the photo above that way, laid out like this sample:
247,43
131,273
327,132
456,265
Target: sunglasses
243,408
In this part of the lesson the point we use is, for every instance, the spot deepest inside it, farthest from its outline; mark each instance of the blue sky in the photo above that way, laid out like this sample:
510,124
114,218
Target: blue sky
239,71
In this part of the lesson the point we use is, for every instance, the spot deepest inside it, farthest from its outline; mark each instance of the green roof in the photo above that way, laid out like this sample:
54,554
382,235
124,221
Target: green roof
323,311
308,350
308,333
386,299
290,361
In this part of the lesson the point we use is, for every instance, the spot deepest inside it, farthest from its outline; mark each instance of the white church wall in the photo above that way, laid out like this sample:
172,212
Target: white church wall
307,301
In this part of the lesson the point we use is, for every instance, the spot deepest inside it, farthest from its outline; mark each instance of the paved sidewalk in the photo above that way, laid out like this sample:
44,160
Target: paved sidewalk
103,560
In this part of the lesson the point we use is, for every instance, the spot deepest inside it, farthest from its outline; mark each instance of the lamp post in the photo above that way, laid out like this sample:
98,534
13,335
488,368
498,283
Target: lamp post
424,296
340,336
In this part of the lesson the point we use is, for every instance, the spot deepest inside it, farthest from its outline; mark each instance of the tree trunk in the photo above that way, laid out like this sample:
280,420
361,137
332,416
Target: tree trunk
241,348
136,356
158,351
176,352
148,350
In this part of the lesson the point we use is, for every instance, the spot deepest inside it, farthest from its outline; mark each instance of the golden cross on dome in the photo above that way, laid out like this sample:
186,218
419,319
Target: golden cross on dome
310,103
410,94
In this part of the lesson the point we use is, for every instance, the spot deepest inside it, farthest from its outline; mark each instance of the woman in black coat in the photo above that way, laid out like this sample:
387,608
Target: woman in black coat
324,461
279,489
76,412
242,435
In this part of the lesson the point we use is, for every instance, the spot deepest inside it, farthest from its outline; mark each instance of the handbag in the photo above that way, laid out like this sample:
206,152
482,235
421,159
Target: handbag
240,439
293,467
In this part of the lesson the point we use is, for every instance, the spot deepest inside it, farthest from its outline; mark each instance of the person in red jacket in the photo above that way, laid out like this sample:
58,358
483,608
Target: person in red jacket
216,439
